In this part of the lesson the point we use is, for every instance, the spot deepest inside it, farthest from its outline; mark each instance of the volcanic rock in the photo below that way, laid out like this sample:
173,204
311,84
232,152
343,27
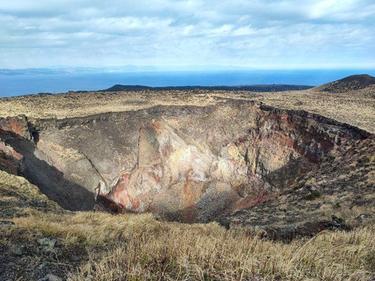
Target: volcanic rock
193,164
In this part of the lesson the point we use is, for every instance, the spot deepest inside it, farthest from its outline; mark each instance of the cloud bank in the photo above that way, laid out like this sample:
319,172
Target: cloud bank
187,34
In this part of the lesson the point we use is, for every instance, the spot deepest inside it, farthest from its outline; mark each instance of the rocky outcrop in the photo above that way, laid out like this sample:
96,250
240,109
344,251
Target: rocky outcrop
10,159
16,125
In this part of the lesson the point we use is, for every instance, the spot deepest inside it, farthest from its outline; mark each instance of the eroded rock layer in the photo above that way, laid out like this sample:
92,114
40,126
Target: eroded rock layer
184,163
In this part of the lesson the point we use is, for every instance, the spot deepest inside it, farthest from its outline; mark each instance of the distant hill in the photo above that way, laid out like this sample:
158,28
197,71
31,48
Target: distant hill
254,88
350,83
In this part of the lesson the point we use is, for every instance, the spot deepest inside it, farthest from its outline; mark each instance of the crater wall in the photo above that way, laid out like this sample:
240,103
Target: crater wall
183,163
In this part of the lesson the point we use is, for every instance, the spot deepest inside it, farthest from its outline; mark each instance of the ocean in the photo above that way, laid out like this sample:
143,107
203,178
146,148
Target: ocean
22,82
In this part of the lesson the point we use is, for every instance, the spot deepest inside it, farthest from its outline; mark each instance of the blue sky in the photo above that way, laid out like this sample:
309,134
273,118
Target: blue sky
173,34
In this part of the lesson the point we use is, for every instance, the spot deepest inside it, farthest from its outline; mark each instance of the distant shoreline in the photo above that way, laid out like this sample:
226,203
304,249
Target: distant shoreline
42,81
253,88
135,88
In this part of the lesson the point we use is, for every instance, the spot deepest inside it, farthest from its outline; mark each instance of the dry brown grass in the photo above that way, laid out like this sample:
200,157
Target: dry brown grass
18,196
356,108
84,104
137,247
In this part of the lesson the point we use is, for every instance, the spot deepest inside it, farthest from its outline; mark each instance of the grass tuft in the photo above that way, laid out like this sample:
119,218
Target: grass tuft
138,247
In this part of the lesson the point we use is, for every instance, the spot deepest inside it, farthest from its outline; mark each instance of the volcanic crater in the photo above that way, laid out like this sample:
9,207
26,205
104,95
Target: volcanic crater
186,163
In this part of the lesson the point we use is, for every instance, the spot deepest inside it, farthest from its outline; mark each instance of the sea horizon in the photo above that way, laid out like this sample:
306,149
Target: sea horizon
17,82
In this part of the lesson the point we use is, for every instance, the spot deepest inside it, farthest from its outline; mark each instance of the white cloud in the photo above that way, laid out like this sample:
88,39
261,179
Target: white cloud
195,32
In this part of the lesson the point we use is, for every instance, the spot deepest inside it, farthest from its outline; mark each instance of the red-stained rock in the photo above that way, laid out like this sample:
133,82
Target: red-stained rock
17,125
10,160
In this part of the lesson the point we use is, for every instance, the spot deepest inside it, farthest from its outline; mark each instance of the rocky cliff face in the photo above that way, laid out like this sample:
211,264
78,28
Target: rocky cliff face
182,163
10,159
188,178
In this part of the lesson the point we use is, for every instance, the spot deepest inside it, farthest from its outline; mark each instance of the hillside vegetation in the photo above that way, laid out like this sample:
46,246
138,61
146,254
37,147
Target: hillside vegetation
38,241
